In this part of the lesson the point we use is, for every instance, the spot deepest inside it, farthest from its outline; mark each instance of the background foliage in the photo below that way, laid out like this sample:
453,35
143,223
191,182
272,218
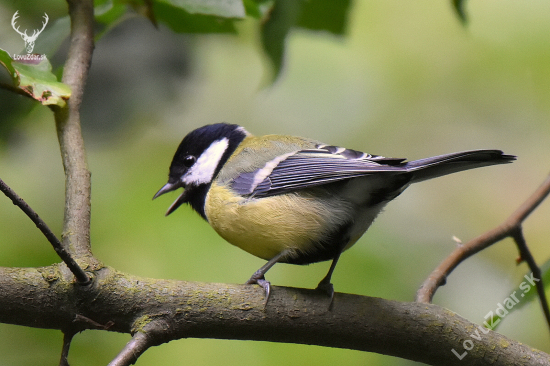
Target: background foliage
402,79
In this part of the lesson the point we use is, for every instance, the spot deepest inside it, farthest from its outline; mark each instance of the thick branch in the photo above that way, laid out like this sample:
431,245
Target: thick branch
76,227
166,310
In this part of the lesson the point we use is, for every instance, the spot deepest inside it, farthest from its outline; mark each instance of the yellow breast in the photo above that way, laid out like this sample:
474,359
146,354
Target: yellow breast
264,227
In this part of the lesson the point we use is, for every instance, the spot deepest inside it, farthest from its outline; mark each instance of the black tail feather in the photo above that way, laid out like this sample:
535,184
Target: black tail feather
438,166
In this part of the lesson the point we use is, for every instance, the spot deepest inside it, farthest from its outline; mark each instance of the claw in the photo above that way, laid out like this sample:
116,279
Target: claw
258,276
265,284
327,288
267,288
325,285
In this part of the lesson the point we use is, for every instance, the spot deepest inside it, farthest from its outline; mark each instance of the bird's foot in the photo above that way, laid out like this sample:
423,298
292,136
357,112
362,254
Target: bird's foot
265,284
327,288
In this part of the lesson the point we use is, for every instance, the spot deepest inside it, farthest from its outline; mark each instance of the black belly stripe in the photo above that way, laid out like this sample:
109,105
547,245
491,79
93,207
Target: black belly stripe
324,249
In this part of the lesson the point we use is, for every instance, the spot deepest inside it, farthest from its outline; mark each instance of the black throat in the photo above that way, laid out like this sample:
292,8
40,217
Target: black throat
196,197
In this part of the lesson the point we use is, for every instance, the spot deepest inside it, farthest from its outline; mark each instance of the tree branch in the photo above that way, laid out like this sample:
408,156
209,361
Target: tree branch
525,255
133,349
164,310
158,311
67,339
76,226
15,90
66,257
511,227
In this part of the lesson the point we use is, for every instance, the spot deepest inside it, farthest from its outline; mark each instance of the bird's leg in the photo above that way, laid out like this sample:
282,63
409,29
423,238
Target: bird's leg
325,285
259,276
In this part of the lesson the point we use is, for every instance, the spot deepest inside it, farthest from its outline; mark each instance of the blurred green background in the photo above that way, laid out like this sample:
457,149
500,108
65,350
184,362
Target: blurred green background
407,80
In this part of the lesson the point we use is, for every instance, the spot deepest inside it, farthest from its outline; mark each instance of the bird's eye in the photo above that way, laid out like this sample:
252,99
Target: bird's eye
189,160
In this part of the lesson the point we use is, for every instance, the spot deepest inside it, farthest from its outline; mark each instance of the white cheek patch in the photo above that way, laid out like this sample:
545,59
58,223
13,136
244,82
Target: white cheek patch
205,166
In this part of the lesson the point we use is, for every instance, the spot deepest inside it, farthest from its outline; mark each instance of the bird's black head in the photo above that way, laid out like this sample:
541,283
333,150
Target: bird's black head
197,161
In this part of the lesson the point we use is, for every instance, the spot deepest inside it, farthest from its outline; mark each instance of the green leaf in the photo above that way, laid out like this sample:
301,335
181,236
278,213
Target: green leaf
258,8
6,61
282,18
524,291
326,15
220,8
35,78
181,21
458,6
182,16
318,15
109,13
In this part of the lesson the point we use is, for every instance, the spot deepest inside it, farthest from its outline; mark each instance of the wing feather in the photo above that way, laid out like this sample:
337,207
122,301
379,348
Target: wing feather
310,168
327,164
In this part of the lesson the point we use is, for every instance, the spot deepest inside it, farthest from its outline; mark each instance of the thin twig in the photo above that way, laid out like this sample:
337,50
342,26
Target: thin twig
133,349
65,256
509,228
525,255
15,90
67,338
92,324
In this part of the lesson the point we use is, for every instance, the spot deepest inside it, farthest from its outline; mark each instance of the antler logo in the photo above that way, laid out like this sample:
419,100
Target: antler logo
29,40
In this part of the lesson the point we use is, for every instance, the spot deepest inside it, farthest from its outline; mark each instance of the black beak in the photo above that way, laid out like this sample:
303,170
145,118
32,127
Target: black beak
169,187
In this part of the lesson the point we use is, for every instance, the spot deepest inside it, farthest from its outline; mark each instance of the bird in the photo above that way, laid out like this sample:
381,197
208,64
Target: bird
295,200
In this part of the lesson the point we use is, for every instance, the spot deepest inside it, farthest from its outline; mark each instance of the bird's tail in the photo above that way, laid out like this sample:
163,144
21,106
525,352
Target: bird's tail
437,166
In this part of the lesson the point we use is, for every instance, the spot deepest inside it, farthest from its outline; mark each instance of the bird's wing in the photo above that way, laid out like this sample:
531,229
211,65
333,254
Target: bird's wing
312,167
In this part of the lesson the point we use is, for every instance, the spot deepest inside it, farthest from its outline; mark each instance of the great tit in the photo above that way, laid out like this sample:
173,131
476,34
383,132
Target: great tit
292,199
